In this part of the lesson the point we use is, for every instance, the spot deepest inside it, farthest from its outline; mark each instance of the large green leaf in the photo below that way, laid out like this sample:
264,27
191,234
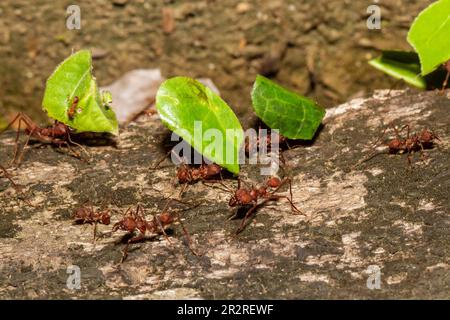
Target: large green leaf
73,78
401,65
429,35
182,101
295,117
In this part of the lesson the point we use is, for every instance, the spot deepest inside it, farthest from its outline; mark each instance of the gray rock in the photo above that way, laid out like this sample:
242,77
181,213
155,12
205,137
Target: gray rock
382,213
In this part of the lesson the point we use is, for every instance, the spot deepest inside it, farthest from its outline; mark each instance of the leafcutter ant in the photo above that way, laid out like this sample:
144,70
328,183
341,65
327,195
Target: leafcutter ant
73,108
58,135
412,143
87,215
134,221
188,175
244,197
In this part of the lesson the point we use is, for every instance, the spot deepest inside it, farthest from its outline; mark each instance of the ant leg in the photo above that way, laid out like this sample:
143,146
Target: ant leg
135,239
423,155
188,237
233,215
95,233
247,216
224,189
397,133
24,146
160,225
7,176
160,160
408,130
395,84
374,153
30,125
273,196
69,139
186,203
444,85
183,190
409,159
276,197
16,142
291,200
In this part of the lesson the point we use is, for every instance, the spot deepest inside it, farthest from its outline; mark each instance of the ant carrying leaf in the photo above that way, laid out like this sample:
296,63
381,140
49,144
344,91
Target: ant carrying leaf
57,135
73,100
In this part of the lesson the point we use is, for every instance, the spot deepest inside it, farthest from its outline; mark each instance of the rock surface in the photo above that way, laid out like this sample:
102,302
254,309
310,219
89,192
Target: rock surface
382,213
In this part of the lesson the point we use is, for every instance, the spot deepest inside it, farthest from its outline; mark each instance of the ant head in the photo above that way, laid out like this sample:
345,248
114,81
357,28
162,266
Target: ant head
243,196
127,224
165,218
395,144
428,135
81,212
262,191
213,169
106,218
183,174
254,193
273,182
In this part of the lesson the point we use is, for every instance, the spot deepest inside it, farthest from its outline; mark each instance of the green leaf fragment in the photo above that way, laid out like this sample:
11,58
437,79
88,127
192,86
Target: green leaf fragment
401,65
295,117
73,78
184,103
429,35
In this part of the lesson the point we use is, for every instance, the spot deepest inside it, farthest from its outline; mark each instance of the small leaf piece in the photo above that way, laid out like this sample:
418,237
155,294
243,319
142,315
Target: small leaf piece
401,65
429,35
182,101
73,78
295,117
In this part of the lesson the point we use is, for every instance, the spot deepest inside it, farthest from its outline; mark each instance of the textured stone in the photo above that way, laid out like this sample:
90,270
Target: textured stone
382,213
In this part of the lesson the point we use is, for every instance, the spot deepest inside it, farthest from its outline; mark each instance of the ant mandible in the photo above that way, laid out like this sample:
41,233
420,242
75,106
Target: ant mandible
244,197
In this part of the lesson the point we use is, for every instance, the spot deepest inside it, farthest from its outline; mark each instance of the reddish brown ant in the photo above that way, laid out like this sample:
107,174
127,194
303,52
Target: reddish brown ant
412,142
251,146
87,215
191,175
188,175
135,221
58,135
73,108
244,197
